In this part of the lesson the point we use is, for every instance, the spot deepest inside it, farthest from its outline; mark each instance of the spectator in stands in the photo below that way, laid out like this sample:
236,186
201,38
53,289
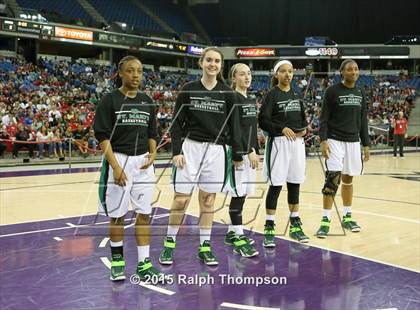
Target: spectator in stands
372,135
70,115
82,115
93,99
54,114
83,146
23,134
68,135
169,115
3,136
43,138
162,116
9,119
58,143
91,140
42,104
400,125
80,139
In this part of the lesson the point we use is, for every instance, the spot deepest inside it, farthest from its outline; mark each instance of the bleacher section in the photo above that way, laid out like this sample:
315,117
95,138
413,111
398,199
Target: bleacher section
126,12
369,80
69,9
414,120
207,14
171,14
7,66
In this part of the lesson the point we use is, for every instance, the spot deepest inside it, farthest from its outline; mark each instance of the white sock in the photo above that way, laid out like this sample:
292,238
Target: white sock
172,231
269,217
294,214
115,244
346,210
143,252
327,213
230,228
238,229
204,235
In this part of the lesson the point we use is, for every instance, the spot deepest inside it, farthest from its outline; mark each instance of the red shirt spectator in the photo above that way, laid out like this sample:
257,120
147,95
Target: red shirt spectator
400,127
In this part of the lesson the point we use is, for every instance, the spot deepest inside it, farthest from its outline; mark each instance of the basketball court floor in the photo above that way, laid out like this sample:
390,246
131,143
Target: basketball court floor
55,250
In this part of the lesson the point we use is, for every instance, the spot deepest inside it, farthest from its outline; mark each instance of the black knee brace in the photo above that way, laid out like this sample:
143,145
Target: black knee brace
272,196
332,181
235,210
293,193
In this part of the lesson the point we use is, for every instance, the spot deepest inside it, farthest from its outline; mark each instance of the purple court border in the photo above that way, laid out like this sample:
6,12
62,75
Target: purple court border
25,173
39,272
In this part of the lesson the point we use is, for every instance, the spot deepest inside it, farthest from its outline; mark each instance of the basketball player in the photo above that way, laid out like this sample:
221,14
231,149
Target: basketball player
242,179
283,117
199,137
125,126
343,124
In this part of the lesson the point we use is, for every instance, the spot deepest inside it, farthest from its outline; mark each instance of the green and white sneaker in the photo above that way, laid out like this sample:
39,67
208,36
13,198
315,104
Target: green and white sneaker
117,269
268,241
242,246
324,229
296,232
349,224
249,240
206,255
166,257
146,271
230,238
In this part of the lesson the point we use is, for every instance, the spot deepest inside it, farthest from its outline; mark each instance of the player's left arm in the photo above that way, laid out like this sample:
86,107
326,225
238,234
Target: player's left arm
304,123
364,130
151,137
234,124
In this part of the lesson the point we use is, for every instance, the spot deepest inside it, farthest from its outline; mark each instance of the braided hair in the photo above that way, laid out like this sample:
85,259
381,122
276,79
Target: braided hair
117,81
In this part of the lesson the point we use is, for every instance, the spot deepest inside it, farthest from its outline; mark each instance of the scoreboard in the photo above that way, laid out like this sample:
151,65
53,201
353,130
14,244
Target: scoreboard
79,35
24,26
329,52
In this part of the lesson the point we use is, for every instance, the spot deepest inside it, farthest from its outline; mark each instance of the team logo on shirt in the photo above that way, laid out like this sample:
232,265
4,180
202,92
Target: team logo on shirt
249,110
207,104
133,117
350,100
289,106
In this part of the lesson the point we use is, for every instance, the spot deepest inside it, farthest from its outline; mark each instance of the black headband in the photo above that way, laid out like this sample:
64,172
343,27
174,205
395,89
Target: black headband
344,63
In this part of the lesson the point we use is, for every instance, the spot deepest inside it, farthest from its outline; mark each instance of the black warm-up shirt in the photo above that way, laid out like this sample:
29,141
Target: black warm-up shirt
282,109
127,122
344,115
206,116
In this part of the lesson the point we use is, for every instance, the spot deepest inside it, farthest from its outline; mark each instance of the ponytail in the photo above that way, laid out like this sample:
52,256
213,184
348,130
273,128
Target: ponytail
116,80
274,81
231,75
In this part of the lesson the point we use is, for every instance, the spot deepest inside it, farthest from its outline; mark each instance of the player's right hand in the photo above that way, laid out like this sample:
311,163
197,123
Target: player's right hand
254,159
179,161
301,133
290,134
238,164
325,149
120,178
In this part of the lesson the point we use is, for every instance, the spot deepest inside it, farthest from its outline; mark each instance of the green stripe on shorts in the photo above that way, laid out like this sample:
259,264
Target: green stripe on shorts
228,163
103,184
173,175
267,154
231,170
